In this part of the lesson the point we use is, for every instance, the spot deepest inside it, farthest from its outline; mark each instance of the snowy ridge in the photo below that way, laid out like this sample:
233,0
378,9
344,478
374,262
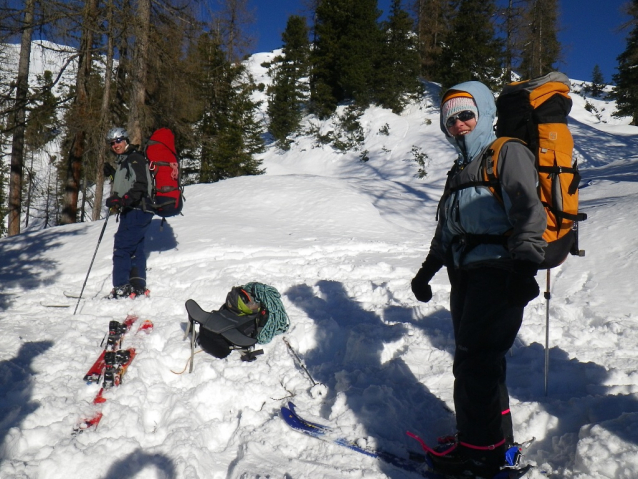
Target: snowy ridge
341,240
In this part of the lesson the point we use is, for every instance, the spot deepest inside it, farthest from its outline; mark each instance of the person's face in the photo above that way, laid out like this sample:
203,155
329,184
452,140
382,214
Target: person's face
461,124
118,146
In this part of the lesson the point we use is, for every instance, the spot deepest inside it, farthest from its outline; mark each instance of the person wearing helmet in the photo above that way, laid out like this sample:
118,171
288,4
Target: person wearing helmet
131,187
492,251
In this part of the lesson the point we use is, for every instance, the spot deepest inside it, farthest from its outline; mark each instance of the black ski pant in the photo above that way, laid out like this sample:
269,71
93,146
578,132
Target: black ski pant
485,327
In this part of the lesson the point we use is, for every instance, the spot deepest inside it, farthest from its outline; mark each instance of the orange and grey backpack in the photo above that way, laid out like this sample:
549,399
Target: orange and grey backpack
535,112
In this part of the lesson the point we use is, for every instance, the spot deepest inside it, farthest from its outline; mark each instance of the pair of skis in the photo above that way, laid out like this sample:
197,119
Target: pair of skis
110,366
416,463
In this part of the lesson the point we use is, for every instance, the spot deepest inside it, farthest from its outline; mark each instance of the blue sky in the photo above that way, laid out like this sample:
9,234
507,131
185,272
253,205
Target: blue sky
588,32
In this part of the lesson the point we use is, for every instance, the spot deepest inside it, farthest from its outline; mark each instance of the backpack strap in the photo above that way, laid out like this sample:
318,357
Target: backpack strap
490,165
489,168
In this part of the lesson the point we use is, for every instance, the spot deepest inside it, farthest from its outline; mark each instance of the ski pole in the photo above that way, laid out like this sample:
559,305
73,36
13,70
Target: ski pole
547,297
300,362
106,220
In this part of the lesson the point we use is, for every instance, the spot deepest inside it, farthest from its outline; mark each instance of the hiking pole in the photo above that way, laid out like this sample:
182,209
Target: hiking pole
106,220
300,362
547,295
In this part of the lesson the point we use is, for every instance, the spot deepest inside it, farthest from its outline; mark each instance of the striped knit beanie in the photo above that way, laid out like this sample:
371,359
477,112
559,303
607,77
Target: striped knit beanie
455,102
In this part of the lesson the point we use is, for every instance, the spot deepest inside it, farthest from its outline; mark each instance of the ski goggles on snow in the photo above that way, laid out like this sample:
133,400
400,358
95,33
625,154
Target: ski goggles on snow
464,115
117,141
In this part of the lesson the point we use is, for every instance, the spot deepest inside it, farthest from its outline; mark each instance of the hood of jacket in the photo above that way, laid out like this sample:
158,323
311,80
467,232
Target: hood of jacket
471,144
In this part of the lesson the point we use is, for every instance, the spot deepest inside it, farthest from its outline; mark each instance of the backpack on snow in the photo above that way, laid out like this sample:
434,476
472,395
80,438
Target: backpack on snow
251,314
535,113
167,195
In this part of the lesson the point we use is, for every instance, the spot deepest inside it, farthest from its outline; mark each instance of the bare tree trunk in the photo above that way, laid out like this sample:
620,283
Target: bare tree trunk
235,15
17,147
48,200
104,116
29,191
74,162
139,71
83,208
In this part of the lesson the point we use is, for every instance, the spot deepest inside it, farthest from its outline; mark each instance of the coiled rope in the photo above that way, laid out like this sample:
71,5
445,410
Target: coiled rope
278,321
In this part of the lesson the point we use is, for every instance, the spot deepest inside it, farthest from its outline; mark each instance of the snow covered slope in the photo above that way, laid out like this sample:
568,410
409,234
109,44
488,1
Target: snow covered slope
340,239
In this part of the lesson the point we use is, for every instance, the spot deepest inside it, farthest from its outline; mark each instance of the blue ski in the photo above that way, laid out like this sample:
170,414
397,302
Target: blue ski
326,433
417,463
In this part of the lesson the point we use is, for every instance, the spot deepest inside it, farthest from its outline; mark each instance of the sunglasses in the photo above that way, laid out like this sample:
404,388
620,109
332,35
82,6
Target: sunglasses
465,115
117,141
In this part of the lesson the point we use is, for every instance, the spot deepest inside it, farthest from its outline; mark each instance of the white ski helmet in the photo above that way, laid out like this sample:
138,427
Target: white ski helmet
116,133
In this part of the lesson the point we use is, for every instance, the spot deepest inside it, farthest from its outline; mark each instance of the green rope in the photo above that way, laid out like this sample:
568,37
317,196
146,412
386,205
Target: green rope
278,321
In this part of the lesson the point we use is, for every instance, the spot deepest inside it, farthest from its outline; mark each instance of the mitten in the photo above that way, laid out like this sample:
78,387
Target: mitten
521,285
420,283
113,201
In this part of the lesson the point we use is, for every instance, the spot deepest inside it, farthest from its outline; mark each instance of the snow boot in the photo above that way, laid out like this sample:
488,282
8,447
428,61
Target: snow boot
456,459
123,291
140,293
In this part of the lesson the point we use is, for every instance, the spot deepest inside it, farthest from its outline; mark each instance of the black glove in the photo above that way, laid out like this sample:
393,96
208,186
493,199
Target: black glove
420,283
113,201
521,285
116,202
109,171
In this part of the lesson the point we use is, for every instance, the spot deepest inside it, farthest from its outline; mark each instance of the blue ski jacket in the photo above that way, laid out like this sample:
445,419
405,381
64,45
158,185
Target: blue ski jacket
468,212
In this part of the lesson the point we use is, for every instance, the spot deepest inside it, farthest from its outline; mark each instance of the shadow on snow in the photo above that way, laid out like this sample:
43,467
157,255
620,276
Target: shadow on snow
16,387
138,461
387,397
25,264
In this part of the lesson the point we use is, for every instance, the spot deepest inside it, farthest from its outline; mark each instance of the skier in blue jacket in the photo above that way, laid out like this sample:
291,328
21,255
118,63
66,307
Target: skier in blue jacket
131,187
492,251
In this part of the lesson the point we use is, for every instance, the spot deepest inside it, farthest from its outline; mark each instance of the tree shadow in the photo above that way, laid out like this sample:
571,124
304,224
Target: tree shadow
25,264
139,460
577,391
378,386
577,396
16,386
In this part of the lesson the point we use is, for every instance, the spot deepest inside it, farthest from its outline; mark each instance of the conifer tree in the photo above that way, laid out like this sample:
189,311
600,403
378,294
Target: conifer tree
229,133
471,49
347,41
432,26
287,94
626,91
397,74
43,123
512,25
541,46
597,81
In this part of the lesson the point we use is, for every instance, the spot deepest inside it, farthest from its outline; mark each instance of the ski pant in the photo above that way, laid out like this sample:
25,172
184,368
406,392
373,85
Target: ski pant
129,258
485,327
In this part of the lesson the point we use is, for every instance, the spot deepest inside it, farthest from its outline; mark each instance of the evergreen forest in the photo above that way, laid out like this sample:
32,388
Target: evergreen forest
144,65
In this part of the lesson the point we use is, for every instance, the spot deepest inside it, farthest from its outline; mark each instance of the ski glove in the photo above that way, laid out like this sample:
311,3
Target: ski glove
116,202
421,282
521,285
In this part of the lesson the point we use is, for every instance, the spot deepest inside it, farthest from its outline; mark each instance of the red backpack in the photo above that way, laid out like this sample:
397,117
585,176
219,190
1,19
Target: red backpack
163,164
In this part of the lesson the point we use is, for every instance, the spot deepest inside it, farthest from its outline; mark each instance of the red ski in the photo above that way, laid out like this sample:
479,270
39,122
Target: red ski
113,343
115,364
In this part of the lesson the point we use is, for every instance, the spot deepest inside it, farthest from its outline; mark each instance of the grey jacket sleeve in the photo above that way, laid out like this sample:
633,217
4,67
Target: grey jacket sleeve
519,180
